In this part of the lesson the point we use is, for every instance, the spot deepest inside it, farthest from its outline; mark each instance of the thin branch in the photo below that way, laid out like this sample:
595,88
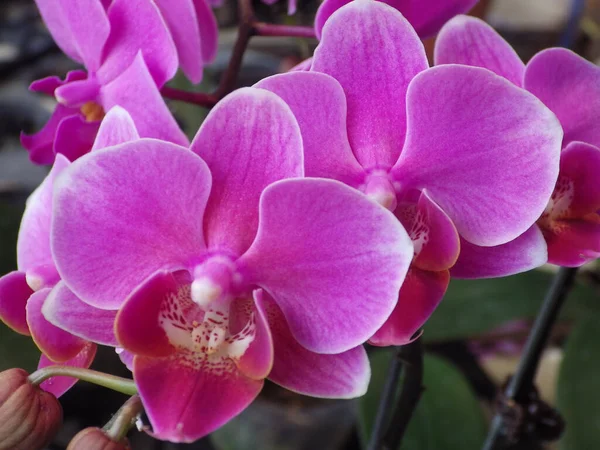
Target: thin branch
197,98
120,424
386,401
522,381
245,33
268,29
410,356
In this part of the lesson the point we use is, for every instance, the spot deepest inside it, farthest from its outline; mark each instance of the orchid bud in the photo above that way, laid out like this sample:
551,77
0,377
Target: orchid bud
96,439
29,417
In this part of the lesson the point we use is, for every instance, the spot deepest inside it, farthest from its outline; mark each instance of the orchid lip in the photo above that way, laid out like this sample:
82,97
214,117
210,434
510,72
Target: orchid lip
205,330
379,187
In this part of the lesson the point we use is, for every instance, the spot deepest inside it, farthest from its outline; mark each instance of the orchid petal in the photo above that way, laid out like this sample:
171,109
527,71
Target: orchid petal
434,236
137,25
207,394
56,344
41,144
125,357
138,205
14,293
180,17
579,169
209,30
572,243
78,92
420,295
64,310
249,140
472,42
135,91
332,259
116,128
75,136
59,385
257,360
48,85
327,151
33,245
570,86
426,17
384,53
139,326
79,28
524,253
344,375
492,151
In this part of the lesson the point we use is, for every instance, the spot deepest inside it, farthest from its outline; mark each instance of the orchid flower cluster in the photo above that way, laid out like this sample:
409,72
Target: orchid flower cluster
318,210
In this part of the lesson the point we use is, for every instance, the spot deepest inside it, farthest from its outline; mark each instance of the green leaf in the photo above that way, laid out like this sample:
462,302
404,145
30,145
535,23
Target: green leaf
448,416
472,307
578,394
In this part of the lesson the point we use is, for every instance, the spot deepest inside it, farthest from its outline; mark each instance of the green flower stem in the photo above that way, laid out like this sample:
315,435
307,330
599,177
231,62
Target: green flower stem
120,424
123,385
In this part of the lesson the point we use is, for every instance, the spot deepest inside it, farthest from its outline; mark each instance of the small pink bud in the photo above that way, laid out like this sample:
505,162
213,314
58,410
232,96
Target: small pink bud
29,417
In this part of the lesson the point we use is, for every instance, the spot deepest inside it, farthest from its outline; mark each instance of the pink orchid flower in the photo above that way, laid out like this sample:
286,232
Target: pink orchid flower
426,16
128,53
570,86
453,150
35,301
226,267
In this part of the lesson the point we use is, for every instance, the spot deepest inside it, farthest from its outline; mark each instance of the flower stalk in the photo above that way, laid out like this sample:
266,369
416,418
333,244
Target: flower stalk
120,424
268,29
408,359
522,380
119,384
411,356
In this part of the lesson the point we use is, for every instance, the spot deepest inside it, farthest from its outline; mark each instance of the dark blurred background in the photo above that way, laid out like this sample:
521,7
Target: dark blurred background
465,360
